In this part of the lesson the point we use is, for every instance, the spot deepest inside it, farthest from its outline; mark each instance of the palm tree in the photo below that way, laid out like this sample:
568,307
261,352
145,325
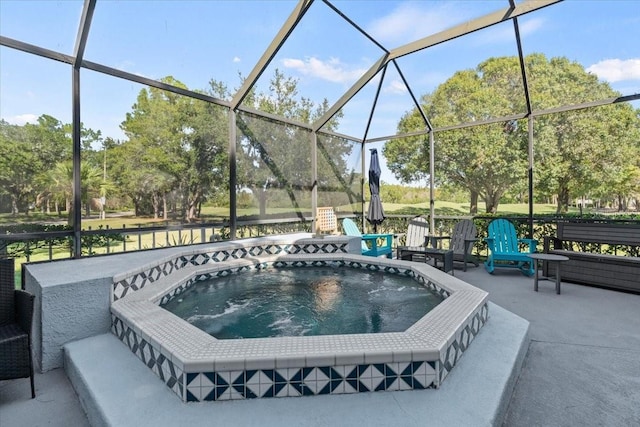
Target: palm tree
61,179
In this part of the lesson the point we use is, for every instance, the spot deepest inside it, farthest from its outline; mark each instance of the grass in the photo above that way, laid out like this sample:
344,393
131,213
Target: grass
121,222
453,208
441,207
214,214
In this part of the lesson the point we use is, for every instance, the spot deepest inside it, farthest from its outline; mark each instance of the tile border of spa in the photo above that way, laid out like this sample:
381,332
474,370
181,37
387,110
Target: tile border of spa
197,367
254,248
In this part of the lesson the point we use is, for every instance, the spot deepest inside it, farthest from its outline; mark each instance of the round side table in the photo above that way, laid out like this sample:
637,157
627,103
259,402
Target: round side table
558,259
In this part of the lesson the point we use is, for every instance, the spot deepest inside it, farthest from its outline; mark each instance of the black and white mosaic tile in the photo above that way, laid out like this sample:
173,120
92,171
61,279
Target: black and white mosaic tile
462,341
139,280
309,381
159,364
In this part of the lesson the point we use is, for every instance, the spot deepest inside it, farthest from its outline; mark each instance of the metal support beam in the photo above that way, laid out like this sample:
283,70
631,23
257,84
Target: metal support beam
76,147
441,37
413,97
105,69
233,176
36,50
314,179
373,106
76,123
470,26
354,25
271,51
536,113
432,172
362,81
585,105
83,32
530,176
525,85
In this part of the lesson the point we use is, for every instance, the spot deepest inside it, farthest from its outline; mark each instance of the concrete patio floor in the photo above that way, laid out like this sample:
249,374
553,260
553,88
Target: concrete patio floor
582,367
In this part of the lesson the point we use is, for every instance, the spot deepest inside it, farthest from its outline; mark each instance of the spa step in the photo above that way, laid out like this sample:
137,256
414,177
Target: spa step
117,389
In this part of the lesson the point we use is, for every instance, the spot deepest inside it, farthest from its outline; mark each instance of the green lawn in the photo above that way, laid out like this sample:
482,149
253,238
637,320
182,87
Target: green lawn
452,208
215,214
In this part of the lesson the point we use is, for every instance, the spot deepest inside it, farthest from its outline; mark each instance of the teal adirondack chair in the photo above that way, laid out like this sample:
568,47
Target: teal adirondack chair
370,242
504,248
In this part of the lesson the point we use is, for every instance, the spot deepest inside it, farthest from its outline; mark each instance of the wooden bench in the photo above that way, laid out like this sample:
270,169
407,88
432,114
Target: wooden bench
592,268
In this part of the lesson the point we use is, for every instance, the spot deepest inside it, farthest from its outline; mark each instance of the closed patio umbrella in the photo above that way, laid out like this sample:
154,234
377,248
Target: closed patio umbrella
375,215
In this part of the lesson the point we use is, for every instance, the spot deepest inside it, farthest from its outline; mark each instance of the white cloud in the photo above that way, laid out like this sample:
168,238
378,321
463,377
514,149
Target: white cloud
396,87
530,26
236,59
616,70
22,119
412,21
332,70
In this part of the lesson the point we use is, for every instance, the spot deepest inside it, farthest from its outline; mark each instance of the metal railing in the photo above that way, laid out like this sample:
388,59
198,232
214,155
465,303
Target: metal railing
57,245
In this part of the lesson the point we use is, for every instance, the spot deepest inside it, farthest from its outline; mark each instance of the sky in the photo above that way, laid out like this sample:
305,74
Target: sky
197,41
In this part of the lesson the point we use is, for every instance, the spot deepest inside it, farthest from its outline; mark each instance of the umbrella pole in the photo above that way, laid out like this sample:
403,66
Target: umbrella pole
376,211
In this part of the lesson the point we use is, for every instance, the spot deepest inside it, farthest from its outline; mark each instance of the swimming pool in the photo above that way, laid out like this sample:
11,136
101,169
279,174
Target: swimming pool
198,367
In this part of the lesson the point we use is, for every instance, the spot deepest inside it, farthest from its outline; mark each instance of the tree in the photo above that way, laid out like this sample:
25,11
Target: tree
17,166
207,151
276,157
586,151
157,131
484,160
572,150
181,148
144,184
27,153
61,177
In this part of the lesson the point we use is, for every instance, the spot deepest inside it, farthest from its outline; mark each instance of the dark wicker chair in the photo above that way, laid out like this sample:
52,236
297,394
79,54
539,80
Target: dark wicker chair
16,318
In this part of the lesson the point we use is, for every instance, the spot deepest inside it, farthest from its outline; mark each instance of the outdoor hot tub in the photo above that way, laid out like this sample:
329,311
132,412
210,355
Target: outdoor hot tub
199,367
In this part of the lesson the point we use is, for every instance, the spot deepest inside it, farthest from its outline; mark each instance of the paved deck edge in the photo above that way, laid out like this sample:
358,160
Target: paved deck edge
116,389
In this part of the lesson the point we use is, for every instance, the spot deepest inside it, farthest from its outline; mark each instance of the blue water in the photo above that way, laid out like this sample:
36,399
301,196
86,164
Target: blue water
304,301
